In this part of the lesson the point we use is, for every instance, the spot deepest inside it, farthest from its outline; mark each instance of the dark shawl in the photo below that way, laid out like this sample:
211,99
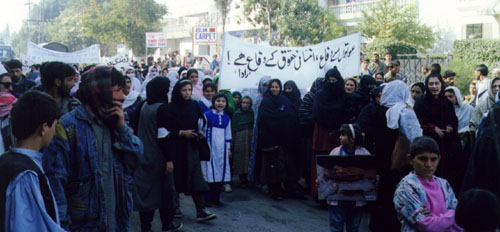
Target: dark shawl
275,115
330,103
236,105
306,120
157,90
361,97
484,163
243,119
183,114
293,96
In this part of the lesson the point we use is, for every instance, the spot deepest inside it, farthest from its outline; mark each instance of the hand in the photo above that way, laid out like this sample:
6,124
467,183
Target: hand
116,111
170,168
426,212
449,129
439,132
188,134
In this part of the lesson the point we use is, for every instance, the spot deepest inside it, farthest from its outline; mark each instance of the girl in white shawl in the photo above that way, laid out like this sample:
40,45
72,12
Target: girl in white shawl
152,73
462,110
400,115
173,76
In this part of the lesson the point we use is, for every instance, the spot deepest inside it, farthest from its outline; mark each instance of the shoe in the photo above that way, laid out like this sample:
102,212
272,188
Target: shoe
178,213
173,227
205,215
227,188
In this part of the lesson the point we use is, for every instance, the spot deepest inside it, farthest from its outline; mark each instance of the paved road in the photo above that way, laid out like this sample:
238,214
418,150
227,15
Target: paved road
250,210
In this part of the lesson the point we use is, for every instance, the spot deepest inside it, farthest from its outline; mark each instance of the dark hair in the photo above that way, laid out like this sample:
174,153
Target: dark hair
387,53
420,85
483,69
88,67
191,71
209,85
423,144
55,70
478,210
14,63
366,59
117,78
449,73
345,129
269,85
379,73
32,110
435,68
219,95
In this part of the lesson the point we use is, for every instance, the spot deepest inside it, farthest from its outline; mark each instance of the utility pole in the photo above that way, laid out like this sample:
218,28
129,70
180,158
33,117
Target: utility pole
29,11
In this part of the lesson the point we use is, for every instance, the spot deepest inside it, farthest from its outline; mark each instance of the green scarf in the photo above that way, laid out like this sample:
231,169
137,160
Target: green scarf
242,120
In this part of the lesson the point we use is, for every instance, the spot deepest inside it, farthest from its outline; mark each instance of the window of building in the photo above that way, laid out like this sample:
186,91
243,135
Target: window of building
474,31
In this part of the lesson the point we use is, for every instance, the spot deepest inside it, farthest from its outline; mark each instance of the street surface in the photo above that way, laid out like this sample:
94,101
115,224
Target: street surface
249,210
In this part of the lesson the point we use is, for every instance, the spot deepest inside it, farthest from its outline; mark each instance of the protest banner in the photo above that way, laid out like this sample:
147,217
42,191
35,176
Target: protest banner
204,35
88,55
156,39
244,63
26,60
122,59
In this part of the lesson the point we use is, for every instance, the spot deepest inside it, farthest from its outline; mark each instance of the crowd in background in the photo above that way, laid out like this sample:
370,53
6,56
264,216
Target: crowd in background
134,138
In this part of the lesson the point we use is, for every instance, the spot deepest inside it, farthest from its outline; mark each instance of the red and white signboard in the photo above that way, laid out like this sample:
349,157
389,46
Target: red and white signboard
156,39
204,35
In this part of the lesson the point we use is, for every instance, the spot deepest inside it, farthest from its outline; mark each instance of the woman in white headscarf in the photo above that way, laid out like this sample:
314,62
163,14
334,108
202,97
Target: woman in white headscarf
400,115
173,76
152,73
462,110
136,83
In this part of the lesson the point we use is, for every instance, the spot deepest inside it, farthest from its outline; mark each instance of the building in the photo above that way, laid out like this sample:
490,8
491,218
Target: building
451,19
179,30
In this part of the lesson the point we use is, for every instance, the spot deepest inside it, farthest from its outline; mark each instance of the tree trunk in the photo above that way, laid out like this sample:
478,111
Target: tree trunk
269,29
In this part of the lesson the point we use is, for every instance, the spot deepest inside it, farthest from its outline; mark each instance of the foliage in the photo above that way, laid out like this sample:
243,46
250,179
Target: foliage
292,22
382,46
224,7
464,71
80,23
304,22
389,22
478,50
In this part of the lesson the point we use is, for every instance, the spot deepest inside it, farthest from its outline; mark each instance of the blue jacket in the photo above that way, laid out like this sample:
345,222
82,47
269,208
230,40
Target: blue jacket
71,165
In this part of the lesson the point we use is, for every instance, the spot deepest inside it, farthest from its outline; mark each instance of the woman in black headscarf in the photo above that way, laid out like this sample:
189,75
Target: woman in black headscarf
437,117
365,118
276,132
184,128
361,97
154,180
330,110
292,92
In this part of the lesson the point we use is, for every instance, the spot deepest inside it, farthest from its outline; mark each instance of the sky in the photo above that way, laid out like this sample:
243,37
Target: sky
17,12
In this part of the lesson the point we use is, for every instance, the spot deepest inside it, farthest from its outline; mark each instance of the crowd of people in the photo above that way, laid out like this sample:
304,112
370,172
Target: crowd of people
85,146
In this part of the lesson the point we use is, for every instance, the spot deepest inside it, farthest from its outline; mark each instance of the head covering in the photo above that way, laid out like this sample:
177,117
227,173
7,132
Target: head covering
394,97
243,119
151,74
176,93
262,81
7,100
180,70
365,82
421,85
157,90
293,96
376,91
330,101
96,86
462,110
238,104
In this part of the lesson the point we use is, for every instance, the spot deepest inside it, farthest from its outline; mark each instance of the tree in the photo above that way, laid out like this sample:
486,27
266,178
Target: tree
81,23
292,22
224,7
391,23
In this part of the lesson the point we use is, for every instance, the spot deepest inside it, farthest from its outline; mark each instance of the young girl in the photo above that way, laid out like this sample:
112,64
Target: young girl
206,101
242,129
218,133
347,212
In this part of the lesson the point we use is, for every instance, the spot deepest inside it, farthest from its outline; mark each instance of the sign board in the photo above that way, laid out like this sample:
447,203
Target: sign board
204,35
90,55
122,59
243,63
156,39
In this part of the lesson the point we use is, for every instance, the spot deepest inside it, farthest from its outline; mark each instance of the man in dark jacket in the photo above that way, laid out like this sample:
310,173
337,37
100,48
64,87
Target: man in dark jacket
20,83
